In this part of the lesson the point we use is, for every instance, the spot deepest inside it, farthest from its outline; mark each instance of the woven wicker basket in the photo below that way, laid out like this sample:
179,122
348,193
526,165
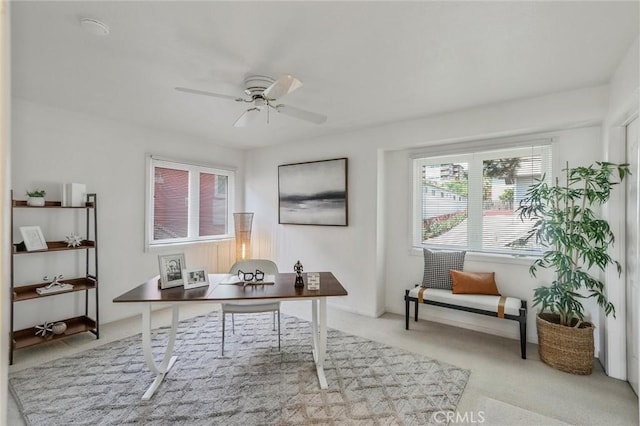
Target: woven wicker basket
567,349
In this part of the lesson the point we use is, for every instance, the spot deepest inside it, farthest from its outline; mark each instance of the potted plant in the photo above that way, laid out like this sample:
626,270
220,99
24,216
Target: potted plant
36,198
575,240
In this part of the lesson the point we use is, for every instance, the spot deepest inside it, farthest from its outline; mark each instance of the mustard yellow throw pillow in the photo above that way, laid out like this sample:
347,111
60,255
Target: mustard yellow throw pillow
474,283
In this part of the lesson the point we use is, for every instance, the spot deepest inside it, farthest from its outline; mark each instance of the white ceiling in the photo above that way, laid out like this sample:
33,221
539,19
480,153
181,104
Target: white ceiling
362,63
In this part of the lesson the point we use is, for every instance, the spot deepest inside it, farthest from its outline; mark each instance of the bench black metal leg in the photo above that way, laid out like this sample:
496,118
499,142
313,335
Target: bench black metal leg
523,329
406,309
523,339
416,314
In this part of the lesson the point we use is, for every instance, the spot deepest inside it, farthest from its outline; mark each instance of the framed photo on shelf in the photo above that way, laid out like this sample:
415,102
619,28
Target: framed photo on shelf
194,278
313,193
171,266
33,238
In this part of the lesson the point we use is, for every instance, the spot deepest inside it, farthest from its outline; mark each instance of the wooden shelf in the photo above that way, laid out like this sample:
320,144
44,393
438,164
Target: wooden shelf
58,246
27,292
27,337
49,204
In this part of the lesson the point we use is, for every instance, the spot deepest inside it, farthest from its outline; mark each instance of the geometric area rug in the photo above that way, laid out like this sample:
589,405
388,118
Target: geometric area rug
252,384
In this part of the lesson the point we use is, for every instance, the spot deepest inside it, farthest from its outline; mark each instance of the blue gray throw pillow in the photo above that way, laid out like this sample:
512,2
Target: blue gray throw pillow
437,264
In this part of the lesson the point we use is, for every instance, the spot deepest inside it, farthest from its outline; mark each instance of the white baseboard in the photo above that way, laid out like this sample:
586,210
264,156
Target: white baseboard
354,311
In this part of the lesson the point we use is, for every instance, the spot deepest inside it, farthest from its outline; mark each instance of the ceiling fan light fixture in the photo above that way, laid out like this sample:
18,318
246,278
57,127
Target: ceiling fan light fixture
263,92
95,27
256,84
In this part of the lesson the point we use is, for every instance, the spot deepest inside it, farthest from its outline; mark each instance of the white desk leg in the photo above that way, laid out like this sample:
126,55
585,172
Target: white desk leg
321,339
314,328
167,360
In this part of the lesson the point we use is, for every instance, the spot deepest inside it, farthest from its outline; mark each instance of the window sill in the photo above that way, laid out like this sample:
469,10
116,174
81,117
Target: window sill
476,256
153,247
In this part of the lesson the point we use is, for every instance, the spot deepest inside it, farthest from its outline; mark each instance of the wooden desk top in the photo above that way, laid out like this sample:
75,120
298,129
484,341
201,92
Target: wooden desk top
282,289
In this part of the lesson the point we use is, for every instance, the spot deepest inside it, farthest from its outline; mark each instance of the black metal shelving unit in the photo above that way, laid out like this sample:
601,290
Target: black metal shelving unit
88,283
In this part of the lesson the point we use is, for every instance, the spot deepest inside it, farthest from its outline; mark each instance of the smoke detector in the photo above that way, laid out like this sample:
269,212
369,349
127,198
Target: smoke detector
95,27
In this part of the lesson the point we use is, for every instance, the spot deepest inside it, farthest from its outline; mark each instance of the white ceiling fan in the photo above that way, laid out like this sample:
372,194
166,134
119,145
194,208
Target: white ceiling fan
262,93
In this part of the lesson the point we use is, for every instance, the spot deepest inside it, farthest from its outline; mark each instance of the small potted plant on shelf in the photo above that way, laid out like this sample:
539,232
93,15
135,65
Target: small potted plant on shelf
36,198
575,240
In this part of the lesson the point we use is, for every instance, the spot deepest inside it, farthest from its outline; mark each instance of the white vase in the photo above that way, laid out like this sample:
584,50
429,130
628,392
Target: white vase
35,201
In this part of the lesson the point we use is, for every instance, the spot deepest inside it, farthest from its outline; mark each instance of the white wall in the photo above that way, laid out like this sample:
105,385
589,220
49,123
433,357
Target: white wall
318,247
5,169
376,188
53,146
624,86
624,96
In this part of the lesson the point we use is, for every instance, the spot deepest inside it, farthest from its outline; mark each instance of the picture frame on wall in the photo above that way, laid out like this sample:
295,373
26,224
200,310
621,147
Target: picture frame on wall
33,238
313,193
171,266
195,277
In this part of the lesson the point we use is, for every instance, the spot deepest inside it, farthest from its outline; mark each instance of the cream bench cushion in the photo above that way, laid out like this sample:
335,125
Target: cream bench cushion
476,301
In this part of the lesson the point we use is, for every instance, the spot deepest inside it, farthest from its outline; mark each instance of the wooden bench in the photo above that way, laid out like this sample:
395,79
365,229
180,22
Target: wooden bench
494,306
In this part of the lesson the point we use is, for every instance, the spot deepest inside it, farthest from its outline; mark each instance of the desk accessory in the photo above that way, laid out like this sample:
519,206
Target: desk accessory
313,280
298,268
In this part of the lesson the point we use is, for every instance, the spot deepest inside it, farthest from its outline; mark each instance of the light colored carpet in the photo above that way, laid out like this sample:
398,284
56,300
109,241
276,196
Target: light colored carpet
369,382
498,413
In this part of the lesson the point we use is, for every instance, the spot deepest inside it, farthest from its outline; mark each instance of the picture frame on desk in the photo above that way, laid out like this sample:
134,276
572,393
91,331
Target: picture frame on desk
33,238
194,278
171,266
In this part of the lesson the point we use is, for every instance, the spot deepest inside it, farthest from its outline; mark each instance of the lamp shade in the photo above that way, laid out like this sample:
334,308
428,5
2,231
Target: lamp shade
242,224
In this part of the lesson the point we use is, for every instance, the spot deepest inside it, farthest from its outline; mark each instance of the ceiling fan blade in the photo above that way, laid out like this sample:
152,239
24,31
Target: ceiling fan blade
313,117
282,86
247,117
202,92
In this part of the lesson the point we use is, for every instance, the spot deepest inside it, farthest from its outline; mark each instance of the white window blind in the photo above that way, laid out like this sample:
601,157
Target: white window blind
469,200
187,202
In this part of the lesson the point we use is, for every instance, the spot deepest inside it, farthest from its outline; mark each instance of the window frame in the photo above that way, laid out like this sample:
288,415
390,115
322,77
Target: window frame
193,218
473,153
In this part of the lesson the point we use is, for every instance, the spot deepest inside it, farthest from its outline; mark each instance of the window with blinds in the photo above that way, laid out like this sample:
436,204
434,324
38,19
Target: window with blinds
187,202
469,200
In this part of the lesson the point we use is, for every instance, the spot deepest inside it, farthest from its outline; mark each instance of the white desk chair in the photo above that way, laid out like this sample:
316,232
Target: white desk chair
250,265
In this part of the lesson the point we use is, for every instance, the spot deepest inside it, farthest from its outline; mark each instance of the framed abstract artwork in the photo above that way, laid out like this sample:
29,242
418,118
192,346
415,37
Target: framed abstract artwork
313,193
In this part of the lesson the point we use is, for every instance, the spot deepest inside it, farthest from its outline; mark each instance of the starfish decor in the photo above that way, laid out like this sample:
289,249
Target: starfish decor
42,330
